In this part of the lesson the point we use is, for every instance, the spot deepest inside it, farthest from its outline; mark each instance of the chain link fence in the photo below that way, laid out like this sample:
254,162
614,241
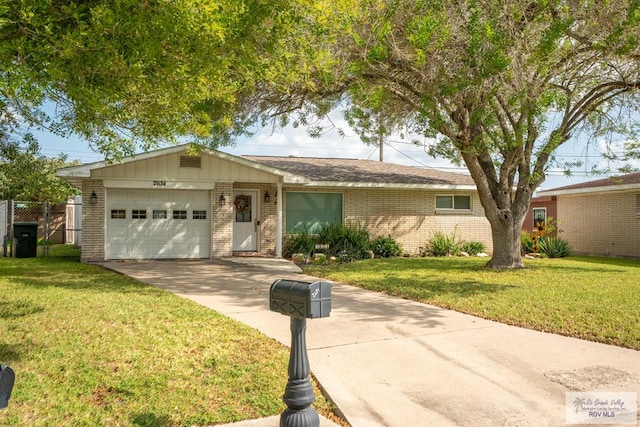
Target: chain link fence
51,220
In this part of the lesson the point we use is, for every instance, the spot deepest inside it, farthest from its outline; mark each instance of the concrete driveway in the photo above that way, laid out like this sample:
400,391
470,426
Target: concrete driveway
386,361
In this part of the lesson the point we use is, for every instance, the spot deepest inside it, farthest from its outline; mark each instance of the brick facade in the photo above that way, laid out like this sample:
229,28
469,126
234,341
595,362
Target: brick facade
410,216
548,203
222,217
93,222
605,224
389,200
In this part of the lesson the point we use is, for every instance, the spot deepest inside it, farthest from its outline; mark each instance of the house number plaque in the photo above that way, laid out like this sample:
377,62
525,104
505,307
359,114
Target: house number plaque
159,183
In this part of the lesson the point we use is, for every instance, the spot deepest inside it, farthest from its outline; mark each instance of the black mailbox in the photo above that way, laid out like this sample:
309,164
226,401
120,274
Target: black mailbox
300,299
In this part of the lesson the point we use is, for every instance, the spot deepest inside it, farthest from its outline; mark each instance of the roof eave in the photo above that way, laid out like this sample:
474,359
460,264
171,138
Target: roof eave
395,186
588,190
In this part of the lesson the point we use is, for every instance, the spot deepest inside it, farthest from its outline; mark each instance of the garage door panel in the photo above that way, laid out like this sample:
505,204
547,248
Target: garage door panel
119,233
159,232
158,235
138,250
162,250
119,248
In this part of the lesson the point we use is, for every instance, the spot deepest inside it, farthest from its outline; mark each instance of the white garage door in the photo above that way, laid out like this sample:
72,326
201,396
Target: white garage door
144,224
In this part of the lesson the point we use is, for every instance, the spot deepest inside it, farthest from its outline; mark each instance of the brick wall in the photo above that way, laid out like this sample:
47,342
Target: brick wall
549,203
92,222
410,216
222,235
603,224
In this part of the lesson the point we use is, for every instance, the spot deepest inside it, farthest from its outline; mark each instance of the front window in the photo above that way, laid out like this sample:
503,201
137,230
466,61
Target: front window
453,202
310,211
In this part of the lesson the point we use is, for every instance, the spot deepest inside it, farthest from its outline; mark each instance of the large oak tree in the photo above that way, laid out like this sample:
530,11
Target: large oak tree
500,84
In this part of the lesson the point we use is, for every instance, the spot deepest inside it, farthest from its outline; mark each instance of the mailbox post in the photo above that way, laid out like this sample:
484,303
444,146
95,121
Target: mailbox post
299,301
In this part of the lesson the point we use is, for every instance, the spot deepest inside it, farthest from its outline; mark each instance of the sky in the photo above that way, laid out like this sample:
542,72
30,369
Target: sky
295,142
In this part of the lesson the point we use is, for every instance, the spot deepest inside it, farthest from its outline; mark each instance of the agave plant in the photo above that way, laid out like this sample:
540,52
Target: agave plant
554,247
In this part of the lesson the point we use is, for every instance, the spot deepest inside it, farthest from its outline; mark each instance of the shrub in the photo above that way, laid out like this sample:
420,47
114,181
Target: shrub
554,247
302,242
385,247
346,242
527,243
441,244
472,248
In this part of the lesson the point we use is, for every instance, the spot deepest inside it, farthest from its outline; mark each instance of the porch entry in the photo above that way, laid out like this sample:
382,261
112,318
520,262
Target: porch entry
245,220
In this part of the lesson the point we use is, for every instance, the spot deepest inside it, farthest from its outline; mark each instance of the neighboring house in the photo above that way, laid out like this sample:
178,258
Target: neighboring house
601,217
168,204
541,210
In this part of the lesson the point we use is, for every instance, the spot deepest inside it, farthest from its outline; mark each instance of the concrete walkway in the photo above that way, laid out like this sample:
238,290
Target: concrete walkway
386,361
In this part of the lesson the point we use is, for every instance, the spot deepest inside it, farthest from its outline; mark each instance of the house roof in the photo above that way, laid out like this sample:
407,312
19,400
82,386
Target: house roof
313,171
614,183
331,171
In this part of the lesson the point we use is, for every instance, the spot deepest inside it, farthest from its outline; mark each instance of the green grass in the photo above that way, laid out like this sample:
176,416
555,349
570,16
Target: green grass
591,298
91,348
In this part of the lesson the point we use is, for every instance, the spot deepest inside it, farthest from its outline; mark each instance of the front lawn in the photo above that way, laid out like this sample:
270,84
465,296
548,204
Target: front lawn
596,299
93,348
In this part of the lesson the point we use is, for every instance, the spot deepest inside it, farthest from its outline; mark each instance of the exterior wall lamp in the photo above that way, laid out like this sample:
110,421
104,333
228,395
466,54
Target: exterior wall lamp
94,198
221,200
267,197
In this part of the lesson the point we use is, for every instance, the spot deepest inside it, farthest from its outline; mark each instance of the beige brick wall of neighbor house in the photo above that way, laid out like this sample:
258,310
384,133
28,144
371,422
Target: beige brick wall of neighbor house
601,224
92,222
410,216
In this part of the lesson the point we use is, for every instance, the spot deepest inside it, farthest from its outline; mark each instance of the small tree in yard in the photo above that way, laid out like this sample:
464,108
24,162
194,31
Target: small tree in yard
25,174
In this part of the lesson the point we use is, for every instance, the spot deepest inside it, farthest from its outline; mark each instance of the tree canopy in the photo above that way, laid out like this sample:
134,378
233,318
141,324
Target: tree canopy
127,75
27,175
500,85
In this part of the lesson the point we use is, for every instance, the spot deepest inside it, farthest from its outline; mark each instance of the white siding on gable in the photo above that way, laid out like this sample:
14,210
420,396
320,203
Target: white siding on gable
167,167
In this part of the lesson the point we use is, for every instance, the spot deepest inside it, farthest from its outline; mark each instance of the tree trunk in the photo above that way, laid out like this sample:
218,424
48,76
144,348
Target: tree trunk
507,252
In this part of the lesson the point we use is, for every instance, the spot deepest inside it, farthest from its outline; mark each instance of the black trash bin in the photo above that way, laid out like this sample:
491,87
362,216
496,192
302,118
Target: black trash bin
25,234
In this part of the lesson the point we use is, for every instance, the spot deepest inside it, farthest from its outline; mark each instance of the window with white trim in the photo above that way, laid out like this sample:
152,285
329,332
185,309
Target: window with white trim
638,205
539,217
453,202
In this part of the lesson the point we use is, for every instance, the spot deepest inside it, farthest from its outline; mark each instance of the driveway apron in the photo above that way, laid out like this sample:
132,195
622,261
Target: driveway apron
386,361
